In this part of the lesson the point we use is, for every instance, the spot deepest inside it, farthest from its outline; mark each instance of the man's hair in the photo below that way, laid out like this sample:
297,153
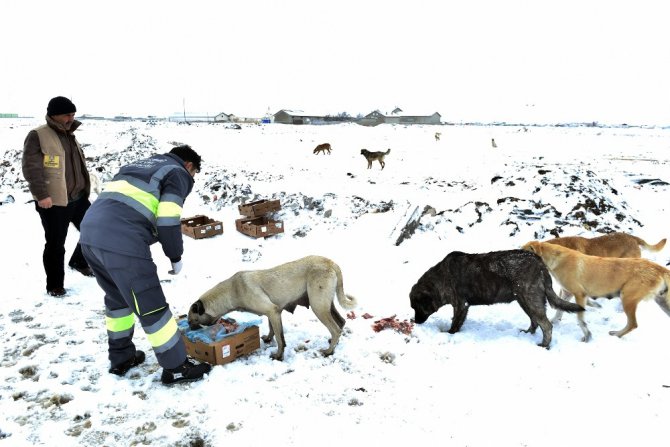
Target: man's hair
187,154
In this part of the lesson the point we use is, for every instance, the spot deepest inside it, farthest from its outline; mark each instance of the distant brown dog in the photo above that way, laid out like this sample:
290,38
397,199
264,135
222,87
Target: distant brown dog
612,245
633,280
323,148
372,156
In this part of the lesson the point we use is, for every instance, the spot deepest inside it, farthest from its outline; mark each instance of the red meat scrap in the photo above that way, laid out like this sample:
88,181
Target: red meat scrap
392,322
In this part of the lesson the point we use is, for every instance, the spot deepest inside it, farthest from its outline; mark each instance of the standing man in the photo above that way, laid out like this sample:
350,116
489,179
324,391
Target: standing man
140,206
55,168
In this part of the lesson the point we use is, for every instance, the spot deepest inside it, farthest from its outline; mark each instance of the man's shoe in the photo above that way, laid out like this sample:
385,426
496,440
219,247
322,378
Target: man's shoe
56,291
187,372
86,271
123,368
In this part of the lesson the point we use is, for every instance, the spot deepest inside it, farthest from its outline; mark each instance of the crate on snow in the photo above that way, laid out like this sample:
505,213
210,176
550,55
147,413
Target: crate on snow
224,350
201,226
259,208
259,226
256,222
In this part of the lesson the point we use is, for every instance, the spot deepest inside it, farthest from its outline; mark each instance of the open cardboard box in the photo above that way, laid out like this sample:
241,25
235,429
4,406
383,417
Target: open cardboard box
259,207
225,350
201,226
259,226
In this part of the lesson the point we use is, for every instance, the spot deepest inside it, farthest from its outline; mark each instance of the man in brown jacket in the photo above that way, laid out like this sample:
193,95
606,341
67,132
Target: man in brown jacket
55,168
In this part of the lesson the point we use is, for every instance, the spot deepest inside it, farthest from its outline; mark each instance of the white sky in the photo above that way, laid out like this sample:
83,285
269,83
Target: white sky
481,59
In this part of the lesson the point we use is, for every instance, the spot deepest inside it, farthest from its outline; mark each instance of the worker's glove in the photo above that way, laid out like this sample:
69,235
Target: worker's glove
176,267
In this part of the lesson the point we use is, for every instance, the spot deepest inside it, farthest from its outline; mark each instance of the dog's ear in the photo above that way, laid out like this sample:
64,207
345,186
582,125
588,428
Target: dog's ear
198,307
529,246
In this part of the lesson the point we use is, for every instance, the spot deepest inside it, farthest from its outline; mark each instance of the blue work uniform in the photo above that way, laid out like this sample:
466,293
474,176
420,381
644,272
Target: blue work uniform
141,205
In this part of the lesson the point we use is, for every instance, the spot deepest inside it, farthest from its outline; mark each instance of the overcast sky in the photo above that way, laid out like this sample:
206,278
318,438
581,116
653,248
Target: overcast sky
534,60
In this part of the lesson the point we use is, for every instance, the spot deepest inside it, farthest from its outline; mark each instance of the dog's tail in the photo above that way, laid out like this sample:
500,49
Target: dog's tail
346,301
657,247
387,152
554,300
558,303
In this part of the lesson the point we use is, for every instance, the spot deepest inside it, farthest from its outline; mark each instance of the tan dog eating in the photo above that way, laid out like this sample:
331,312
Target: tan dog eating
633,280
312,281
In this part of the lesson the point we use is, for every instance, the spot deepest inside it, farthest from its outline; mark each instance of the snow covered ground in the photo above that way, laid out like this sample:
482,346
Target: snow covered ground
488,385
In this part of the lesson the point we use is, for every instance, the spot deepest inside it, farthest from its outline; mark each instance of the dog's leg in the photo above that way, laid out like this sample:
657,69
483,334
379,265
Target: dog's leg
268,338
546,327
593,303
320,299
276,329
629,301
559,313
581,300
381,162
336,316
537,315
460,313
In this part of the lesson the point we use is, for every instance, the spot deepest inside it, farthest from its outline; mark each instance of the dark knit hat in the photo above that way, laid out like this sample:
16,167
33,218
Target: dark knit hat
60,105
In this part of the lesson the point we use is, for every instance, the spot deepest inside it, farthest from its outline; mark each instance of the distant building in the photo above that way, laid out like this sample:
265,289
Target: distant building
224,118
9,115
397,116
286,116
90,117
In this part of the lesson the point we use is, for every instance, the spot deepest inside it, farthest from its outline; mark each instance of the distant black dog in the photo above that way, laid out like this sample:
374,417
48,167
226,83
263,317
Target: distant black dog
464,280
372,156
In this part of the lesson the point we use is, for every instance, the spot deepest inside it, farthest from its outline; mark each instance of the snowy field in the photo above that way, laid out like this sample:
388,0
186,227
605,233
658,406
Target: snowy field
488,385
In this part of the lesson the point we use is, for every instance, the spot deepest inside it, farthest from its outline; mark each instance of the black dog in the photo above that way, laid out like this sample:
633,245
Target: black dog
464,280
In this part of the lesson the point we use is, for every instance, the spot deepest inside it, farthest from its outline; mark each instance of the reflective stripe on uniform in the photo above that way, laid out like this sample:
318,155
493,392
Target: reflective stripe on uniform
164,333
120,323
148,200
143,197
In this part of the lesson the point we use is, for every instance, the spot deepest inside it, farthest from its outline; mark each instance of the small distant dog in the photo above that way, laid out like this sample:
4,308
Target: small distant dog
493,143
465,280
372,156
632,279
309,281
612,245
437,136
323,148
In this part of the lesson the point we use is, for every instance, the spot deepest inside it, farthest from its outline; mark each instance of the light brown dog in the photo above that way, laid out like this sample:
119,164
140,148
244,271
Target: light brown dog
372,156
633,280
312,281
323,148
612,245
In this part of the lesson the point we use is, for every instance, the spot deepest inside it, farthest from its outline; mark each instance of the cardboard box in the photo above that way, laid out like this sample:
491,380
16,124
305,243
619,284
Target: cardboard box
200,226
259,208
259,226
225,350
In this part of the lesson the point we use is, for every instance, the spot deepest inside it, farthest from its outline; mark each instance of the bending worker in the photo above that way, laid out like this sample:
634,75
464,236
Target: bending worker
140,206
